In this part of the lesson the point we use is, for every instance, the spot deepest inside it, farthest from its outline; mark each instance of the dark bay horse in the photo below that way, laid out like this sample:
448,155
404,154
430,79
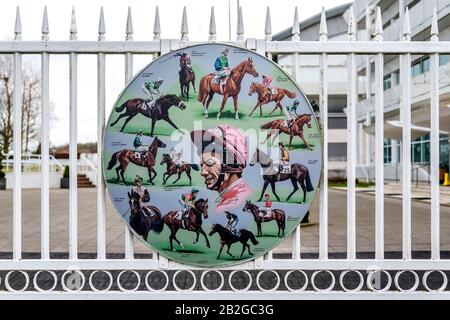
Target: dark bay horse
232,87
140,223
145,159
228,238
160,110
193,223
172,169
277,215
271,175
296,129
264,97
187,76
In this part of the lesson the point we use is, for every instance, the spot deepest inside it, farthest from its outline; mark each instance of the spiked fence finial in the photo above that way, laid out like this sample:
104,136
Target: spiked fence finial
435,26
212,25
406,26
101,26
323,32
45,29
378,26
18,26
240,26
268,26
129,27
156,26
184,26
296,27
73,25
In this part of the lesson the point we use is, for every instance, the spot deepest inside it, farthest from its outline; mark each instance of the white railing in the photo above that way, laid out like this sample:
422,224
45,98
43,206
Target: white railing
32,163
337,269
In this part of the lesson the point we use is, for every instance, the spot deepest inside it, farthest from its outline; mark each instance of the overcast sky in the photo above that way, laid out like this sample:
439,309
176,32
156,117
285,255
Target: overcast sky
143,15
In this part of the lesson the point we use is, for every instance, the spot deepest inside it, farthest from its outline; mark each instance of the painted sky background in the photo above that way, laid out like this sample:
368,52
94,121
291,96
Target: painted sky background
115,18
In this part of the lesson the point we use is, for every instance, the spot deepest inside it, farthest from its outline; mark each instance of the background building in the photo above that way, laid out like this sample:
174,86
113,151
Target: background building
421,12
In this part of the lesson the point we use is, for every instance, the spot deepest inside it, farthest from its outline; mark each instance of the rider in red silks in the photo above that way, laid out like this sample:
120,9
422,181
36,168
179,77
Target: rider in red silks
223,156
267,82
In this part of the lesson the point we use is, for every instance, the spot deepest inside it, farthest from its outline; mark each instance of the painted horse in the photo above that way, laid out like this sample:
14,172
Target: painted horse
277,215
264,97
172,169
299,175
141,223
232,87
160,111
187,76
145,159
228,238
295,130
193,223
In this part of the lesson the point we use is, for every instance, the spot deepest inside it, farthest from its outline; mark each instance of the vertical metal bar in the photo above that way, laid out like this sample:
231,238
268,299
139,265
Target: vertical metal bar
435,155
379,157
129,252
101,243
323,102
405,70
45,168
17,142
351,157
73,198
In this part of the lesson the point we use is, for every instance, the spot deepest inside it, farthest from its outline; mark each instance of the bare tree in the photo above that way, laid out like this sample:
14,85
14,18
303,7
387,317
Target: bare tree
30,104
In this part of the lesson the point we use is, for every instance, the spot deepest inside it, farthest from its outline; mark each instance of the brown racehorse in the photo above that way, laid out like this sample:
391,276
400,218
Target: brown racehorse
264,97
187,76
277,215
145,159
296,129
299,175
160,110
172,169
140,223
228,238
232,87
192,223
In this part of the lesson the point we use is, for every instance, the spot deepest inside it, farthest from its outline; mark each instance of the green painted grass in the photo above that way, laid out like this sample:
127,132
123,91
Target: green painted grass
198,254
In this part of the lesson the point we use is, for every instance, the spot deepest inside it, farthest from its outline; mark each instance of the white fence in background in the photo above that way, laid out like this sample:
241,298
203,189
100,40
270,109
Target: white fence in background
283,271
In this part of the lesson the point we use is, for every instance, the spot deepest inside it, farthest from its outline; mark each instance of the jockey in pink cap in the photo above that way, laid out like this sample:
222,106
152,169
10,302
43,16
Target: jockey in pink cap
224,152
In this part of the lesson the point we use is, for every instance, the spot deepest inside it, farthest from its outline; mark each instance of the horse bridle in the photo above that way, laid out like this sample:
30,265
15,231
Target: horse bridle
167,100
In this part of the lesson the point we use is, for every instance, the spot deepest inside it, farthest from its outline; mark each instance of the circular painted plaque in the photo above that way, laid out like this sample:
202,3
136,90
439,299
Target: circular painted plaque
212,155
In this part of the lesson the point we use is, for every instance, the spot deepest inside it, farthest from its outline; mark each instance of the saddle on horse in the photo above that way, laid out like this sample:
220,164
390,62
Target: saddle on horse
264,213
140,155
285,168
147,212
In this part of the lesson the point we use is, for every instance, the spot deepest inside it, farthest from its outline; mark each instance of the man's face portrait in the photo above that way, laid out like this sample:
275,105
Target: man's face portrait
210,169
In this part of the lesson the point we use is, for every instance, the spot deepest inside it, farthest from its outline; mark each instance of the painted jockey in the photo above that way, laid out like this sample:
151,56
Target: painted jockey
284,157
144,196
175,155
291,113
222,67
151,89
267,82
187,201
267,210
185,60
223,152
232,221
139,148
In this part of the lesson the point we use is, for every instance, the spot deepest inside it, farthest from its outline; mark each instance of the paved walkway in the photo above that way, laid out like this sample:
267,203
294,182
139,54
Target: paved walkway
87,224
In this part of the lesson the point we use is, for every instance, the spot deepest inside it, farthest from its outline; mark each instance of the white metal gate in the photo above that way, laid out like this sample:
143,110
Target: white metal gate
251,274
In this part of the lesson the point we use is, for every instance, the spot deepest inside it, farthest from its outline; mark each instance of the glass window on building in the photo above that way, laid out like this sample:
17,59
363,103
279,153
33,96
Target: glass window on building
444,59
387,83
425,65
416,69
396,78
387,151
